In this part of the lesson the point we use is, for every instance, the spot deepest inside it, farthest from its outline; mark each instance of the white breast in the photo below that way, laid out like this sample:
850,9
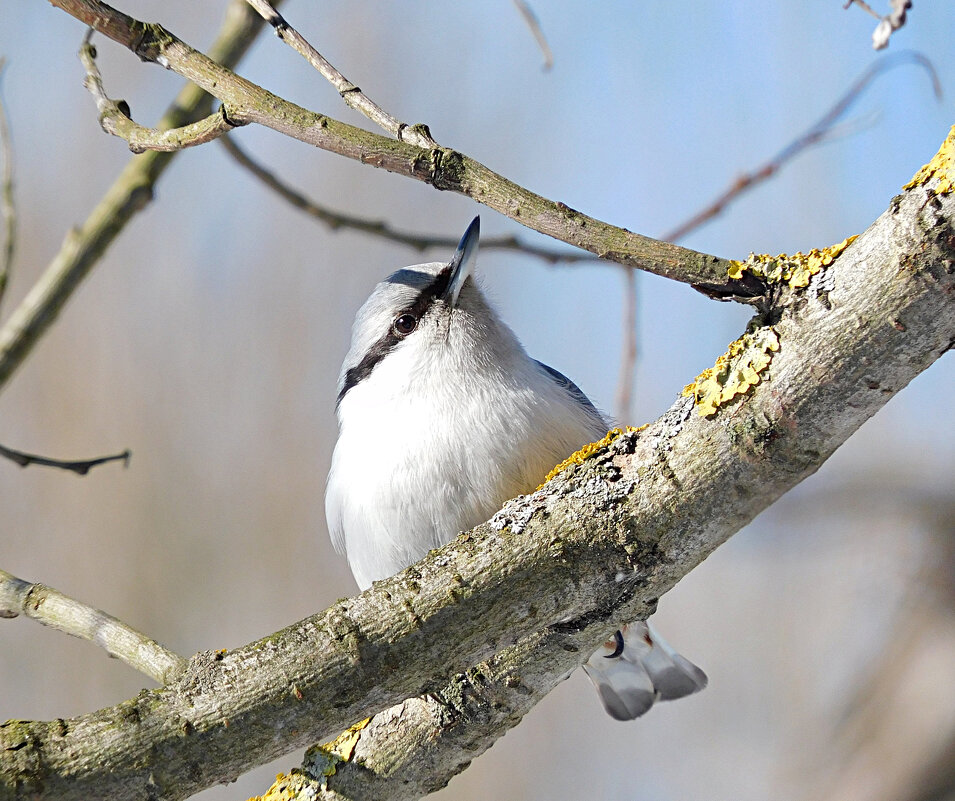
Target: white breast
417,463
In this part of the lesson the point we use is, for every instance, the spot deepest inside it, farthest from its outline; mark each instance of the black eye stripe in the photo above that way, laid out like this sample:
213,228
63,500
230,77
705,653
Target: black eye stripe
390,338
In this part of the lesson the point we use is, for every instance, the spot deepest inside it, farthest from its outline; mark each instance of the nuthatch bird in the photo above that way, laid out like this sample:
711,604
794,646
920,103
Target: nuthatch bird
443,417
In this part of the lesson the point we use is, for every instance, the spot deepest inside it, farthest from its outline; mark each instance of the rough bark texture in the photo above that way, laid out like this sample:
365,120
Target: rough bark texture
596,546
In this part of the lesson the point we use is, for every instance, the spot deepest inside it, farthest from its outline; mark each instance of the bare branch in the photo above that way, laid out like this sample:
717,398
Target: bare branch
8,209
353,96
131,192
864,6
821,131
441,167
530,18
628,352
59,611
336,220
81,467
814,135
114,116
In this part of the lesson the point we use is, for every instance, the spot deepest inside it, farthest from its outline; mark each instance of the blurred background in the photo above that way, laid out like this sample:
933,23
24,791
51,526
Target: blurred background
209,339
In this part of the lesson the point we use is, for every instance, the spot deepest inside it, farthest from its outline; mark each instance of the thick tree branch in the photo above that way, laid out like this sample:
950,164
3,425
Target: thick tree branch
52,608
130,193
417,746
443,168
595,546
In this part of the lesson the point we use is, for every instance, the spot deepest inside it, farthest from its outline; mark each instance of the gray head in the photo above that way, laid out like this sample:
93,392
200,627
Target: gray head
412,302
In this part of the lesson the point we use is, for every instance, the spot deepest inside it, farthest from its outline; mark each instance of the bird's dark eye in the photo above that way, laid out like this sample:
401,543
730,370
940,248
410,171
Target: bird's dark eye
405,324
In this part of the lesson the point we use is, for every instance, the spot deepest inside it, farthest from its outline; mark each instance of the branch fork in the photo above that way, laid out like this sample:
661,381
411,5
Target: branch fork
115,117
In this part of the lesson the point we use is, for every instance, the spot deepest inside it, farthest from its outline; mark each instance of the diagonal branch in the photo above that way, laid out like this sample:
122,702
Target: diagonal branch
351,94
59,611
407,762
596,545
816,134
130,193
443,168
530,19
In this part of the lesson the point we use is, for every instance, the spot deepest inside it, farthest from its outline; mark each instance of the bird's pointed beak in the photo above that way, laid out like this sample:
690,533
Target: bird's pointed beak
463,261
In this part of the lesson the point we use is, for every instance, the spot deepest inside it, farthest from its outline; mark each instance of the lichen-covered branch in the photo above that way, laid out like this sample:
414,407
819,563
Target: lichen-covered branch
52,608
130,193
426,750
442,167
415,747
597,545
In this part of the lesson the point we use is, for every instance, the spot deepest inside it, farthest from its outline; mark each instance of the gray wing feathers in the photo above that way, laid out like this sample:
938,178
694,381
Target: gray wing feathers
574,391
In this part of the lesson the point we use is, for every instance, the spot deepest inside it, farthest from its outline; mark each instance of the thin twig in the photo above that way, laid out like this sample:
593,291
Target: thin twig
530,18
628,351
79,467
864,6
353,96
379,228
52,608
819,132
130,193
114,116
814,135
8,209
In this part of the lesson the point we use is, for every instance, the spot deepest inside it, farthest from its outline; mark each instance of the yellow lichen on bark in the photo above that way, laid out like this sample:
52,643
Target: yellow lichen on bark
942,167
578,457
795,270
286,787
734,372
324,758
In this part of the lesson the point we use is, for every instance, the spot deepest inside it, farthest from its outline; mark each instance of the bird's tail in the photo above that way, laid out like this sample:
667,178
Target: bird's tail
637,668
